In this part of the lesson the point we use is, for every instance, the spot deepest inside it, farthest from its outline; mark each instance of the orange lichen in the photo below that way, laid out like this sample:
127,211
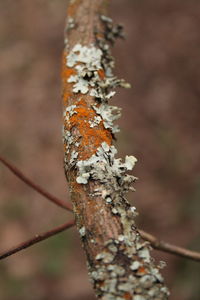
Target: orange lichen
72,8
99,35
66,73
127,296
141,270
91,137
101,73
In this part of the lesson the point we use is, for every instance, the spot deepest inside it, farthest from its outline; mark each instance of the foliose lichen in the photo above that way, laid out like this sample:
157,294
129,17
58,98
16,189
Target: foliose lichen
103,166
94,76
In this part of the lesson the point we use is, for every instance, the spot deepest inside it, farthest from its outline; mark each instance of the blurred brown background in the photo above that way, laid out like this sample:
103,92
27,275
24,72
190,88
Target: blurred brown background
160,126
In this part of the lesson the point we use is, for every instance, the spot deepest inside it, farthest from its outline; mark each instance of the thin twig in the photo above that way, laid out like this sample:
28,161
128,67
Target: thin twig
36,187
166,247
37,238
155,243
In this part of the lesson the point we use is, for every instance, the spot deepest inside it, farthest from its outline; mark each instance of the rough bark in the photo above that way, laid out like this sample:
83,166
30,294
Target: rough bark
119,263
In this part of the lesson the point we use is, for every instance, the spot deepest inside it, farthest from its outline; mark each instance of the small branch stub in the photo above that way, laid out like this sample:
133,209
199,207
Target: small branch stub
120,266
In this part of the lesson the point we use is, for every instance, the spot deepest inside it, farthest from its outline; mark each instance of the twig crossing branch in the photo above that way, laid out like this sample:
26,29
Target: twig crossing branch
155,242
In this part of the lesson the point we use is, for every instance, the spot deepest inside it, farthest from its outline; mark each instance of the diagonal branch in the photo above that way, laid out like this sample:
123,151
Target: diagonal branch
166,247
37,238
34,186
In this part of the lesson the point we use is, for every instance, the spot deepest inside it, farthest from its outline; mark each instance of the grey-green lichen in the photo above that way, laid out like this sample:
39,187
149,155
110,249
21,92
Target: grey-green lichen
125,267
103,166
136,278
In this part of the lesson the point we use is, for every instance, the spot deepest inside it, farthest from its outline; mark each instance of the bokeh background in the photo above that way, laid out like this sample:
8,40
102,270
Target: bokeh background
160,126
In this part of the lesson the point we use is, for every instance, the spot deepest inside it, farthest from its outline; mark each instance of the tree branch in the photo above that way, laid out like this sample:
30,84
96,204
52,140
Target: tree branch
37,238
119,262
34,186
169,248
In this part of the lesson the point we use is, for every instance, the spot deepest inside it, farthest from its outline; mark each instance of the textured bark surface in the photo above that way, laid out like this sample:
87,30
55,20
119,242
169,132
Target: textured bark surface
119,263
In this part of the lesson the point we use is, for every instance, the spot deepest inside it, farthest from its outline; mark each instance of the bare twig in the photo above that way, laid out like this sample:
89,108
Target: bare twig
166,247
37,238
155,243
34,186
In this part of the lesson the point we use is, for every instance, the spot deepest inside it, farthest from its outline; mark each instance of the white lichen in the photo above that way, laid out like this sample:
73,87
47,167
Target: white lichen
157,274
95,122
132,209
114,211
106,257
116,270
83,178
144,253
106,19
103,166
125,287
81,86
109,113
82,231
90,56
135,265
130,162
121,238
162,264
69,111
108,200
139,297
68,138
73,158
112,248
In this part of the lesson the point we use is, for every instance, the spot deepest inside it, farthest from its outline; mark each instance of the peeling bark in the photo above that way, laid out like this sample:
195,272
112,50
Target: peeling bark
119,263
